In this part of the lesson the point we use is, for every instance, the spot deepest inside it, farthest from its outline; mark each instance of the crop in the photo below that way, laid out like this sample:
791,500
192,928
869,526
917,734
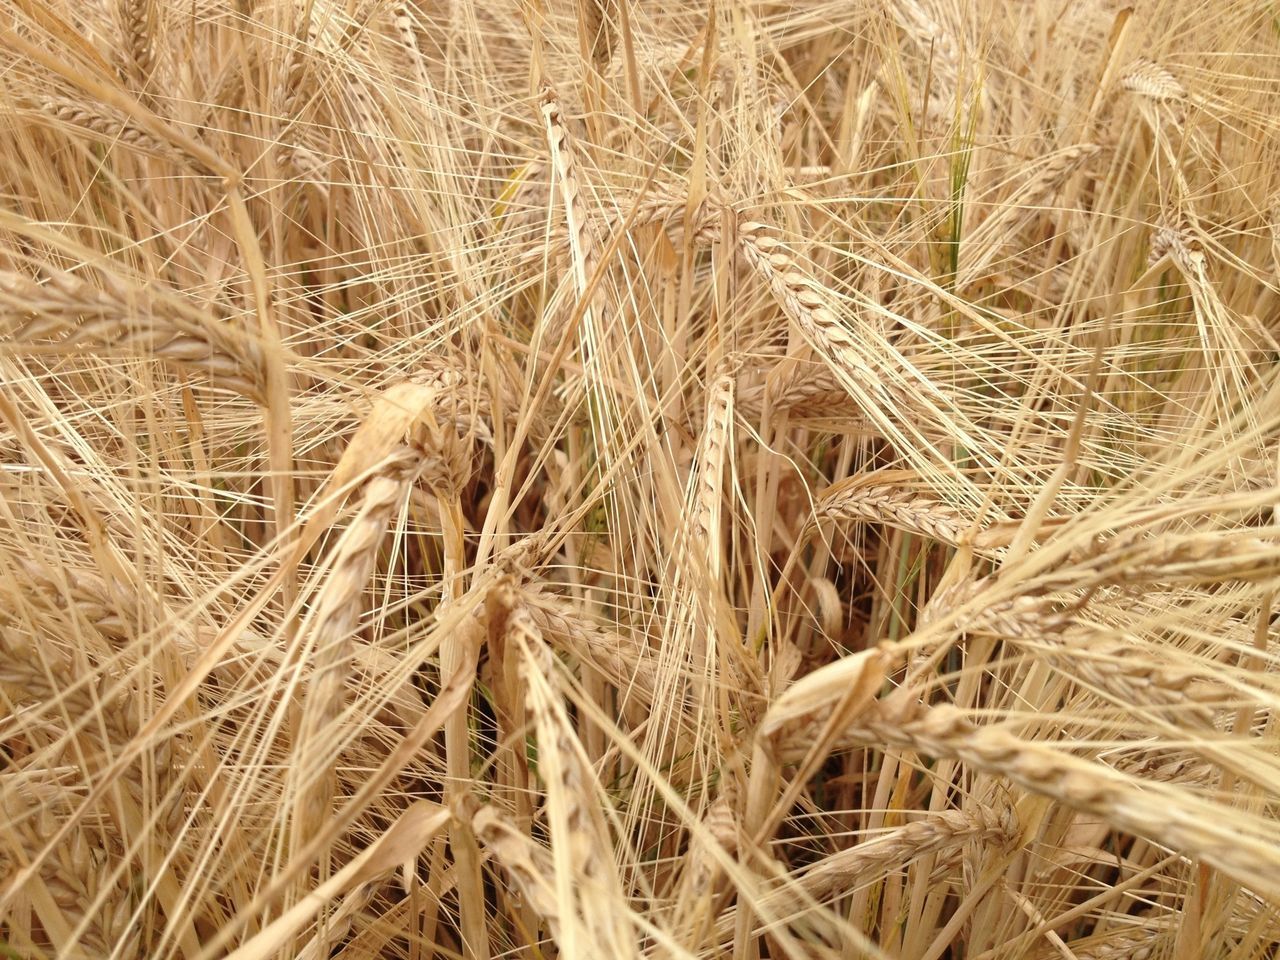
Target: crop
641,480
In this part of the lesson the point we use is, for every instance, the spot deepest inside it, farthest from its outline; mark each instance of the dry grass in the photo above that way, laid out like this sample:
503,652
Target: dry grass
639,480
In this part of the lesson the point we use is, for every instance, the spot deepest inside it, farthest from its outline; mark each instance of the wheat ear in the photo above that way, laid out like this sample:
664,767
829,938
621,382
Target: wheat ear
1248,554
1148,79
802,391
1134,674
893,504
700,879
1180,821
100,122
894,396
529,865
594,910
845,870
402,436
138,23
581,231
625,663
68,307
981,248
1121,944
337,613
82,911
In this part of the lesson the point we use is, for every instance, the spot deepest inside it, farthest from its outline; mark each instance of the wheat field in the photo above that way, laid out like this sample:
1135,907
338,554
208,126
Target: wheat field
626,479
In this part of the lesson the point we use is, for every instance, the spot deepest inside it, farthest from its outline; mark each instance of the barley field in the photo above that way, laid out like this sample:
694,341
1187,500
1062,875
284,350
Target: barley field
602,479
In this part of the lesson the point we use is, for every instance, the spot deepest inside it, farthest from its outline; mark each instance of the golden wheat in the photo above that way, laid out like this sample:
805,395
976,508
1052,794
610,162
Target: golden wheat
623,479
